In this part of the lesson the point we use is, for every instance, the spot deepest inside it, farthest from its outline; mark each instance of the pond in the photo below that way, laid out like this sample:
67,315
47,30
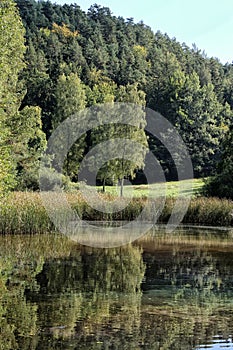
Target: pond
165,291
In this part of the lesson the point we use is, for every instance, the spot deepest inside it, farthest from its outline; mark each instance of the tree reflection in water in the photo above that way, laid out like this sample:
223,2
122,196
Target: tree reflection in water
166,297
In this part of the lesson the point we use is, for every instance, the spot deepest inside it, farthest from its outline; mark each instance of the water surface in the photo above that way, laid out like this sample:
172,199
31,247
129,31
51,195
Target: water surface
162,292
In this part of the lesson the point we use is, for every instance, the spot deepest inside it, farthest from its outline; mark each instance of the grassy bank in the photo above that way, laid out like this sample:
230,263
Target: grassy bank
24,212
171,188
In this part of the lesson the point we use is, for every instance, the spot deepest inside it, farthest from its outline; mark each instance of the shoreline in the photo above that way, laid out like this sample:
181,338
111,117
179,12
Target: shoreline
23,212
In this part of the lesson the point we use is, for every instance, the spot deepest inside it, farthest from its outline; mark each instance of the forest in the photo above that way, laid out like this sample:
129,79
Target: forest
57,60
147,271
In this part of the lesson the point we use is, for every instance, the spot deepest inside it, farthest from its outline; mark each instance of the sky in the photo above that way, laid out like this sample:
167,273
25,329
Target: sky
207,23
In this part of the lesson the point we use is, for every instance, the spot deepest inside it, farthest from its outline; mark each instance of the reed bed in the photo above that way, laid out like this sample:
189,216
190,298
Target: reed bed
24,213
210,211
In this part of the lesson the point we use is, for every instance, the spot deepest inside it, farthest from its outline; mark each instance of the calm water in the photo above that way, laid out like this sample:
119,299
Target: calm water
163,292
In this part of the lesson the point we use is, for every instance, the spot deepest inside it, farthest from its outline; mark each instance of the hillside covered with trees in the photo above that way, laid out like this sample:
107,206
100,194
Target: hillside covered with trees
61,60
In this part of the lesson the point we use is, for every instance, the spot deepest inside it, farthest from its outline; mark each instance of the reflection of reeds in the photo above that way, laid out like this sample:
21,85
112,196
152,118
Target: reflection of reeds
189,237
25,213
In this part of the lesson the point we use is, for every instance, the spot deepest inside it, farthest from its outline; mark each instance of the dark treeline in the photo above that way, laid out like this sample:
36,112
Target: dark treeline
76,59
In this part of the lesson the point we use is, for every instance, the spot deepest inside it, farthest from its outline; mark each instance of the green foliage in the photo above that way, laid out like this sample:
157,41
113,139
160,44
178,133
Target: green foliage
70,98
11,63
221,185
7,168
202,122
76,59
120,167
29,142
11,55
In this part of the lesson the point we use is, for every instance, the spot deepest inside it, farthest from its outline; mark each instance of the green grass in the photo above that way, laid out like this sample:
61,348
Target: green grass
172,188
